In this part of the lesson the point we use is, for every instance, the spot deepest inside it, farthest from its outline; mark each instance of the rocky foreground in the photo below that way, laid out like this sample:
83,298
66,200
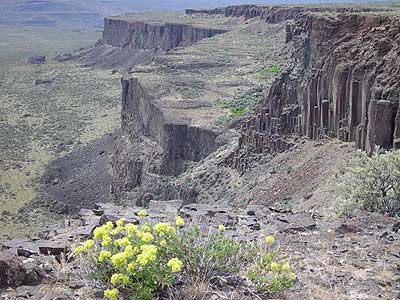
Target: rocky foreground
347,259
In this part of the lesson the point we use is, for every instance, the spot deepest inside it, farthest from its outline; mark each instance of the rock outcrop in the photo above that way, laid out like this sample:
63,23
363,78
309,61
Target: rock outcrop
37,60
276,14
215,11
41,269
127,42
174,141
343,82
147,35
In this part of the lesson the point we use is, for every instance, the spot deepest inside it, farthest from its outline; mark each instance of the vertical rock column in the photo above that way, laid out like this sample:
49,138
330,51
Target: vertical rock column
380,125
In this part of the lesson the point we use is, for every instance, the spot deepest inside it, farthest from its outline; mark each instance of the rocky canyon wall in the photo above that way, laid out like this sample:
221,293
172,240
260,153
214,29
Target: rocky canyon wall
149,35
276,14
152,141
343,82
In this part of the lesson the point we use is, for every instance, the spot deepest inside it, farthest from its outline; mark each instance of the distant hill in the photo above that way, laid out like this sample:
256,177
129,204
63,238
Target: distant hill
90,13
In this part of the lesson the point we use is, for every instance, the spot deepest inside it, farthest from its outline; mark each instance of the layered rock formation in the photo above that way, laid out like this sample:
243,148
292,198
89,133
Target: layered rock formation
128,41
215,11
343,82
276,14
149,35
174,140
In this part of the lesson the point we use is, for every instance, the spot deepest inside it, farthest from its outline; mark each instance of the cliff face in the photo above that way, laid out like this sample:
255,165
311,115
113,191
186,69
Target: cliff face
343,82
276,14
141,35
153,142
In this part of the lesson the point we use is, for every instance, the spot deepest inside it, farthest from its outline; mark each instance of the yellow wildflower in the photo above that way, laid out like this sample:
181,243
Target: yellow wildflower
175,264
275,267
103,255
107,240
78,250
292,276
285,267
119,260
131,267
221,228
179,221
109,225
119,279
99,233
111,294
163,228
270,239
163,243
122,242
147,237
130,228
129,252
146,228
117,230
142,213
88,244
148,254
120,222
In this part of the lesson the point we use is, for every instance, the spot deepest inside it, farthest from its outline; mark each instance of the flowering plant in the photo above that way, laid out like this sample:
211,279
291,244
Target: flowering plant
137,261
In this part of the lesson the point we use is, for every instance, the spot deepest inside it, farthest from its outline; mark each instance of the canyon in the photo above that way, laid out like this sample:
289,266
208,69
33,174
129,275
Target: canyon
237,116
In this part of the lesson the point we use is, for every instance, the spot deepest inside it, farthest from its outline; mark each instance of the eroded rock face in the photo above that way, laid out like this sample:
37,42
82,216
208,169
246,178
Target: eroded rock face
145,125
141,35
343,82
215,11
276,14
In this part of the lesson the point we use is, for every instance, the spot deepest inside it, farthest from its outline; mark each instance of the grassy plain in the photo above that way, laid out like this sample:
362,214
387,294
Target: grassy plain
39,123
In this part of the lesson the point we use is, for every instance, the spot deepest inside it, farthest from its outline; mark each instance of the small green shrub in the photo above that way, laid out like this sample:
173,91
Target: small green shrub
369,183
268,72
241,105
267,274
137,262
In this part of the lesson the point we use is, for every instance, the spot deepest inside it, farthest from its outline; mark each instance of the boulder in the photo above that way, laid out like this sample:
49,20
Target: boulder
167,207
37,60
12,272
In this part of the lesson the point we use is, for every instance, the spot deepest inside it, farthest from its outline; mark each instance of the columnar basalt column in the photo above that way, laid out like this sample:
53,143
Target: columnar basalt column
380,125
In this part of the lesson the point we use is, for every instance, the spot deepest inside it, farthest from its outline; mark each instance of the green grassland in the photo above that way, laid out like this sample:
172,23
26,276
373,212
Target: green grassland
39,123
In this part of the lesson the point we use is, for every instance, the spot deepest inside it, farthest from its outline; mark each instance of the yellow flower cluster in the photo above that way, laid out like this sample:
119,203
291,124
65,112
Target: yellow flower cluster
119,279
111,294
275,267
270,239
179,221
127,249
119,260
164,228
146,237
103,255
148,254
102,231
175,264
122,242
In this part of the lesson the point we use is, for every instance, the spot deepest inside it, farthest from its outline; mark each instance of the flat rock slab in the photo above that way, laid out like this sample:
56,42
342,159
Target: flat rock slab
297,222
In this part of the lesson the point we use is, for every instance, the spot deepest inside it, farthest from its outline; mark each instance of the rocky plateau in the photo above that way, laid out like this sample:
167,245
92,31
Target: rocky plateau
304,87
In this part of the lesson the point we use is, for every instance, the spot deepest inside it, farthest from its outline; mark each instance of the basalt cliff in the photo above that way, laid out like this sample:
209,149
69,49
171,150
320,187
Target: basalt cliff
236,116
342,82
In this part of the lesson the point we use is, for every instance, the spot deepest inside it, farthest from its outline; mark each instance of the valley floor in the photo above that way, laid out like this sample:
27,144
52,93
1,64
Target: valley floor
42,122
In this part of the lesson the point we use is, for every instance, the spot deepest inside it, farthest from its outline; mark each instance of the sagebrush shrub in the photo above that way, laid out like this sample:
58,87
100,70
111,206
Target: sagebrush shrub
369,183
137,261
